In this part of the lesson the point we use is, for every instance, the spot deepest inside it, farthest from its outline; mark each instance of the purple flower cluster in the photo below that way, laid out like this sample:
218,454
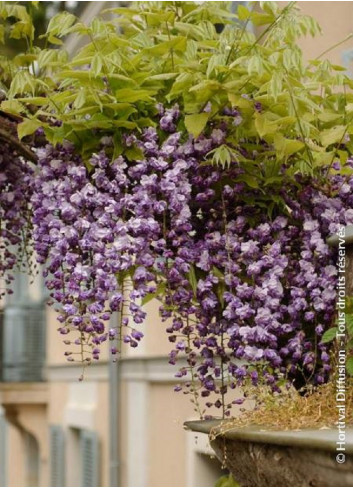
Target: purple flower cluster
245,295
88,246
15,231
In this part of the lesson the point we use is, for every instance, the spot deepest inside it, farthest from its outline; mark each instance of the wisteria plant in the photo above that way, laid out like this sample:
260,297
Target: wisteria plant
181,157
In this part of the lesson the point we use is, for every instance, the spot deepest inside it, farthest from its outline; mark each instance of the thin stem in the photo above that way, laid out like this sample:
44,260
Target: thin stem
235,48
171,50
270,27
335,46
120,335
310,156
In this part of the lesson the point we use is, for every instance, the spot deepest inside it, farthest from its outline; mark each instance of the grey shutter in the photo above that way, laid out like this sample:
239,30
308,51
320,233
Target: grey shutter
23,343
14,343
23,338
35,342
90,459
57,456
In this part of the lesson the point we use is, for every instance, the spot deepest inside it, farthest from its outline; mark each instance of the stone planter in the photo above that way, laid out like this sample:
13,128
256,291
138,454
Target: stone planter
261,458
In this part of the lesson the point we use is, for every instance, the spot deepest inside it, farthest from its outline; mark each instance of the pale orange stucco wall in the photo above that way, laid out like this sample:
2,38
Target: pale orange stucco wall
31,418
103,430
15,458
167,440
336,21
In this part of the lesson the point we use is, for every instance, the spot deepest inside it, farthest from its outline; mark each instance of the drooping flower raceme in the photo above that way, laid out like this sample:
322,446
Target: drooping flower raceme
15,222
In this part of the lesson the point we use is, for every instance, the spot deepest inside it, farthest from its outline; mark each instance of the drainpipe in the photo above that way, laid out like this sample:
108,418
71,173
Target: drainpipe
114,381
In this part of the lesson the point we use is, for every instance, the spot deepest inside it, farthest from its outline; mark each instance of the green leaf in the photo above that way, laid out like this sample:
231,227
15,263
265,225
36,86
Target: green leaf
343,156
22,29
97,64
163,76
80,99
134,153
128,95
181,84
215,61
259,18
333,135
255,66
329,335
275,86
22,82
217,272
196,123
287,147
264,126
2,34
159,291
60,24
220,289
226,481
12,106
55,40
27,127
329,116
155,19
243,13
193,279
223,155
249,180
40,101
177,44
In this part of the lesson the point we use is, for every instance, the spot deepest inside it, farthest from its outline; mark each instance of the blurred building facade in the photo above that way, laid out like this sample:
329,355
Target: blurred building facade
123,425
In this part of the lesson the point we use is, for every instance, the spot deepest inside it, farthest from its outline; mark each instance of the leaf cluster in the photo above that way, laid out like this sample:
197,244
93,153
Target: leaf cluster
191,54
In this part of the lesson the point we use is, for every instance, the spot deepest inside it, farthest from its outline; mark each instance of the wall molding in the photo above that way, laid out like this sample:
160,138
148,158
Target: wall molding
147,369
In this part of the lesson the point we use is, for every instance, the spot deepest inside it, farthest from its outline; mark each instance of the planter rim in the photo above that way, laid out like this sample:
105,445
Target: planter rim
324,439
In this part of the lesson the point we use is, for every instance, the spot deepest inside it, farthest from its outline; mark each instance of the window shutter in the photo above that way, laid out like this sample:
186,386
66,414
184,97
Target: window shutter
35,342
90,459
23,343
13,343
57,456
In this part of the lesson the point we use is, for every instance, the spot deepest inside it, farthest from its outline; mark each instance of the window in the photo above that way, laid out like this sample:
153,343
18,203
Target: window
22,335
83,462
57,456
90,459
